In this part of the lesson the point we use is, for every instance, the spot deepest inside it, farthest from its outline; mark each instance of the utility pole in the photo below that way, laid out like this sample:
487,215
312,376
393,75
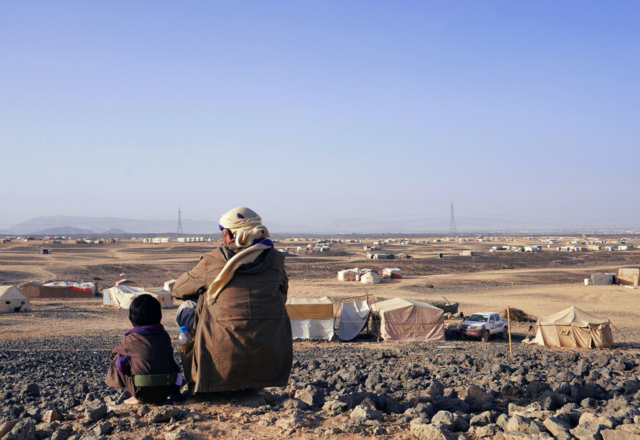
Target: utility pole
180,221
452,225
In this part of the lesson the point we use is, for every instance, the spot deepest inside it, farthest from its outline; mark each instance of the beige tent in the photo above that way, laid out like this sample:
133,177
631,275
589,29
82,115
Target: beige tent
400,319
12,300
31,289
311,318
573,327
628,276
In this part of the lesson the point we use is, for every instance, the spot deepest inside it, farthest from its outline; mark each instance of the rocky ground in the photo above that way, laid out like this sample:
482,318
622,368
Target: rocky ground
53,388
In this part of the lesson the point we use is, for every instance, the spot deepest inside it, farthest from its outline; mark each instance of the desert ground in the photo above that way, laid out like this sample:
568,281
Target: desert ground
38,345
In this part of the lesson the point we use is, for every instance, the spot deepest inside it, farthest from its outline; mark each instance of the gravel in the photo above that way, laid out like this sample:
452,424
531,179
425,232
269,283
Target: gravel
54,388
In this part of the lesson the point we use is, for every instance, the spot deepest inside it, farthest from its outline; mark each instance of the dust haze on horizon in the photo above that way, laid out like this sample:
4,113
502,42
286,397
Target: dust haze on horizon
323,116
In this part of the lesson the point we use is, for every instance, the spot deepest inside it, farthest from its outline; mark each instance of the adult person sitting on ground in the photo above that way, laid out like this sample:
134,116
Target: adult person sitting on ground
241,332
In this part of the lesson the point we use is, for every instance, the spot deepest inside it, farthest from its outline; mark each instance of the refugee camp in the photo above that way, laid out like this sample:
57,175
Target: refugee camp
319,220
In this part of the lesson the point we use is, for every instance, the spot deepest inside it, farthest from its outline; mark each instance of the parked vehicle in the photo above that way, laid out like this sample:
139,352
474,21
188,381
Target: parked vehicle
482,325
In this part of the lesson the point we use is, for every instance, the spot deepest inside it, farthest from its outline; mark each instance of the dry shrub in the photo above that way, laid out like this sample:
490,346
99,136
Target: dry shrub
517,315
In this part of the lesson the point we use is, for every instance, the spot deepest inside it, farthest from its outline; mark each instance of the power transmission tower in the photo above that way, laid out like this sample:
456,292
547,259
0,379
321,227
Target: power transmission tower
452,225
180,222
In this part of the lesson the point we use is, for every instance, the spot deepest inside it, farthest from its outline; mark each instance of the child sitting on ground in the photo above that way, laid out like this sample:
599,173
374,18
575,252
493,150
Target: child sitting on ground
143,361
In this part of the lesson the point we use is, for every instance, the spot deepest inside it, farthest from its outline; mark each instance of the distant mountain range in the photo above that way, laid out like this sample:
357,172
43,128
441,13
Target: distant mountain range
110,226
114,226
66,225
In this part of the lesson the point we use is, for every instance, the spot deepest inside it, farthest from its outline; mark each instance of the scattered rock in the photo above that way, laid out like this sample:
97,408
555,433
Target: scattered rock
362,412
23,430
556,426
6,427
163,414
610,434
518,423
291,422
488,431
95,410
180,434
587,431
51,416
311,395
31,389
423,431
103,428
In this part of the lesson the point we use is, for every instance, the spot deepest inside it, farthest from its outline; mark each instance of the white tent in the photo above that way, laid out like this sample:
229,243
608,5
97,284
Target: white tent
122,296
370,278
311,318
347,275
390,271
353,318
12,300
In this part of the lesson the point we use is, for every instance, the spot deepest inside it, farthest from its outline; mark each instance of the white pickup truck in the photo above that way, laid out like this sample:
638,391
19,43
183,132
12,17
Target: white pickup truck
483,325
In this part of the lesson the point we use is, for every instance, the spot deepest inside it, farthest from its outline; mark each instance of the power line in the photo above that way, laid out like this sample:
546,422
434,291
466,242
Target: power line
180,222
452,224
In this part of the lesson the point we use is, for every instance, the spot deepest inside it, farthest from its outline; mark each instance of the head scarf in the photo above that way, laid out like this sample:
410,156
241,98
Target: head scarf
248,232
246,226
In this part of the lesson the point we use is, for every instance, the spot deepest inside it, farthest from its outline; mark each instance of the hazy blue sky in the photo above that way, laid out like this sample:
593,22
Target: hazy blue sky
522,113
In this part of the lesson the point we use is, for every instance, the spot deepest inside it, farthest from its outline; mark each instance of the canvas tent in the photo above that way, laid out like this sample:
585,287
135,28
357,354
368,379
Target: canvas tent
353,318
391,272
121,296
311,318
370,278
573,327
12,300
30,289
347,275
400,319
628,276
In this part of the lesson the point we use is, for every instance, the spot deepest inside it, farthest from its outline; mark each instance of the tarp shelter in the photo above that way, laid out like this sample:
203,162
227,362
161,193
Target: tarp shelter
168,285
601,279
66,289
628,276
311,318
573,327
353,318
400,319
12,300
121,296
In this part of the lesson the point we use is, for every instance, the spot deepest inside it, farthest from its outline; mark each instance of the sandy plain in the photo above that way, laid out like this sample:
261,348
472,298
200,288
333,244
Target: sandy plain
537,283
